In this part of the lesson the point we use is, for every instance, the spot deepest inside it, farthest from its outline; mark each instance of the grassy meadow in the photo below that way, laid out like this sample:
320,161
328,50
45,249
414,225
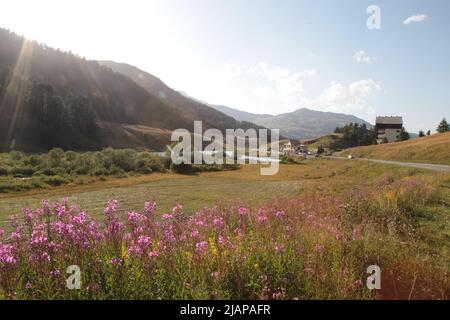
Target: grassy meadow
431,149
308,232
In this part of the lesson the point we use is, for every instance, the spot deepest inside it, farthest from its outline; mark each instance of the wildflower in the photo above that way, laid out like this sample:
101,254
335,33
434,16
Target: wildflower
111,208
309,270
28,215
28,286
262,219
201,247
215,275
359,283
279,294
222,240
177,209
243,211
55,273
279,248
195,233
280,214
133,216
153,254
115,261
318,248
200,223
357,232
166,216
218,222
150,207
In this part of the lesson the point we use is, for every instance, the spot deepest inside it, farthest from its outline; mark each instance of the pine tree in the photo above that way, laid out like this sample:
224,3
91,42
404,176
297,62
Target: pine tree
443,126
421,133
403,135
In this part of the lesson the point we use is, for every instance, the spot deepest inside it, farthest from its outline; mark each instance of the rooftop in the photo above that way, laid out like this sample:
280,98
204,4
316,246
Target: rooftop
389,120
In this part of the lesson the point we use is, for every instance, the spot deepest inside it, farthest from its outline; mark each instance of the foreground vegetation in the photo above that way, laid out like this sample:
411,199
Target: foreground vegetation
21,172
430,149
317,244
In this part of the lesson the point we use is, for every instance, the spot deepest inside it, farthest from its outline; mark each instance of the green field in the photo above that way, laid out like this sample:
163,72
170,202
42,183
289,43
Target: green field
197,191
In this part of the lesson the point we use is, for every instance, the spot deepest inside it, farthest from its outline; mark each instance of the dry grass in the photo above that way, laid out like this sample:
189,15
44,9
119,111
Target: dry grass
433,149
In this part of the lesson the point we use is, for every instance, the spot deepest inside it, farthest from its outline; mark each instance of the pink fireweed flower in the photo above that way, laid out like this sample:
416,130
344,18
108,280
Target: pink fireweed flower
279,294
200,223
279,248
144,242
28,286
218,222
195,233
55,273
177,209
166,216
149,207
27,214
153,254
318,248
133,216
261,219
60,211
115,261
215,275
359,283
280,214
111,207
80,218
201,247
243,211
222,240
357,232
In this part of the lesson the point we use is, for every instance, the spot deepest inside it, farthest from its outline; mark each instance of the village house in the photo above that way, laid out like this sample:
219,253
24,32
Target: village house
388,128
293,147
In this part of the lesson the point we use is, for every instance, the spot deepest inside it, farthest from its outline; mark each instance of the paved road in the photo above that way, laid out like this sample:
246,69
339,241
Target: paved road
428,166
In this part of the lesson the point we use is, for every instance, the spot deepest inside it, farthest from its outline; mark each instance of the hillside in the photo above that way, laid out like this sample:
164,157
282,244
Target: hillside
50,98
187,107
301,124
433,149
329,141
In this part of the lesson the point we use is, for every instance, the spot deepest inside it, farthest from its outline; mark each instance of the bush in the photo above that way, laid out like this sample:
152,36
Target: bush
55,181
181,168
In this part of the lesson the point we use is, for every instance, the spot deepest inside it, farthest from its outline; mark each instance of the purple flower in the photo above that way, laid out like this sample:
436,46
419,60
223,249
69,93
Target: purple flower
201,247
166,216
280,214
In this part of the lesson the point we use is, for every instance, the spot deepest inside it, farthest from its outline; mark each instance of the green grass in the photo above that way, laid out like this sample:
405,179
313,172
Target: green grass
204,189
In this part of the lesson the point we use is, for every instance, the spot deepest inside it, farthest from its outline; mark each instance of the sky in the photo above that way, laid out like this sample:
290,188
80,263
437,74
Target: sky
266,56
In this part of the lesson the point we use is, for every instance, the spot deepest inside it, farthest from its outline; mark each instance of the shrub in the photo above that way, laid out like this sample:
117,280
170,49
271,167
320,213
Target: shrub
55,180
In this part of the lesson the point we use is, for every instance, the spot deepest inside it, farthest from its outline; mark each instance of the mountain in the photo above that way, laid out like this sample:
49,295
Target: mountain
301,124
186,106
50,98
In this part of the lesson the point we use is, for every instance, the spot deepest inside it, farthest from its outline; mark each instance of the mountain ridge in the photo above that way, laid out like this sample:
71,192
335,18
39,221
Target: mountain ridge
303,123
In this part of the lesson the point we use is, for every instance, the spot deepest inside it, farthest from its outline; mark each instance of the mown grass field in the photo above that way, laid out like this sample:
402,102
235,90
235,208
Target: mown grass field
314,176
433,149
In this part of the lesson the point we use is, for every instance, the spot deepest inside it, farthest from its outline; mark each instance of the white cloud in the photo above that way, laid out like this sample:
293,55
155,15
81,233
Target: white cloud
283,88
416,18
353,98
362,57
